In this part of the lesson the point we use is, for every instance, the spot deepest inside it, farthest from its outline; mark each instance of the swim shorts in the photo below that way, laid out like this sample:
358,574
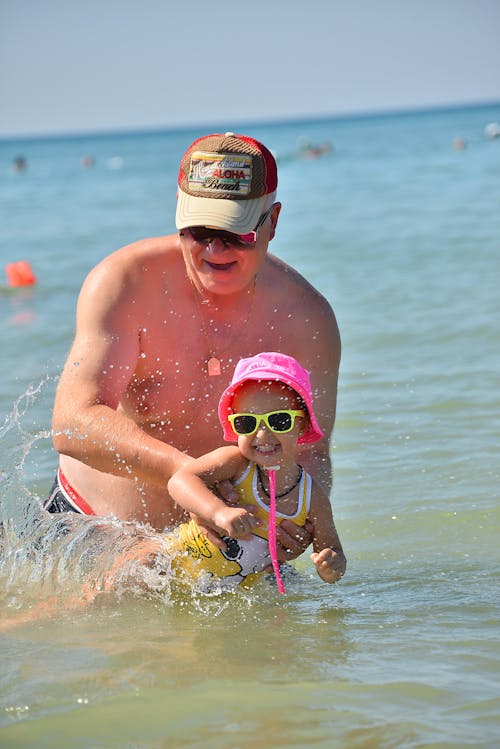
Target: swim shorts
63,498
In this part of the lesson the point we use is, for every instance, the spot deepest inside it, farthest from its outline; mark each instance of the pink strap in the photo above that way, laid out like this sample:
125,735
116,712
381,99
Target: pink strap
272,530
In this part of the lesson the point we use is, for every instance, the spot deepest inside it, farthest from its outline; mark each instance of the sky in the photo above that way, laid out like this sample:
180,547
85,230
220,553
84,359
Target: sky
78,66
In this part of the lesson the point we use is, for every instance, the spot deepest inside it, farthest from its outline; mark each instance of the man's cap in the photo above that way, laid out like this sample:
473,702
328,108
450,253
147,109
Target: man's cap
270,365
225,181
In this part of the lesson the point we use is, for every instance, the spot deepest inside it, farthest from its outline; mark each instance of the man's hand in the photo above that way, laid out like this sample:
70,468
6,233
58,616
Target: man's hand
226,491
292,540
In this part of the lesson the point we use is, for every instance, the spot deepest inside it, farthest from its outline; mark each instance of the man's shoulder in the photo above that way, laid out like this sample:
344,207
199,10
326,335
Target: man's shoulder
152,254
153,248
294,286
141,264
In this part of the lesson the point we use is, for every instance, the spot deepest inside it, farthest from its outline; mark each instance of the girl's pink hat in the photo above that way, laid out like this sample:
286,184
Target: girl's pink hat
270,365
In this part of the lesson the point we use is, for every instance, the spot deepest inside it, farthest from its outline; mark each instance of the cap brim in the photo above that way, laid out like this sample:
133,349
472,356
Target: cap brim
236,216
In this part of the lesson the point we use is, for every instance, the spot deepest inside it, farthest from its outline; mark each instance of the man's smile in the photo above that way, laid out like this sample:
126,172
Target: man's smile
220,266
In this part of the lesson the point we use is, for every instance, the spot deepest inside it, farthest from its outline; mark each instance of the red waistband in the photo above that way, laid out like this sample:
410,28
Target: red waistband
73,495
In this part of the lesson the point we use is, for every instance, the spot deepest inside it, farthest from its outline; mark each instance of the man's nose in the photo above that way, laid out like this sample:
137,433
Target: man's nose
216,245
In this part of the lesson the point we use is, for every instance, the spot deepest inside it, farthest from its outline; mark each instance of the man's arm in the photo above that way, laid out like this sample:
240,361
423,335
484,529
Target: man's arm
86,422
320,354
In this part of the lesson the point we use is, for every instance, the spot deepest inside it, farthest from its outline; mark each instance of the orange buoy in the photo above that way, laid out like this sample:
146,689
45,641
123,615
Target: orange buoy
20,274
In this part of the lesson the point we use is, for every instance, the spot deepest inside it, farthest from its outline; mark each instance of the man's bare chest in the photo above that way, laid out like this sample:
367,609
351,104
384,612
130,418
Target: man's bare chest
171,391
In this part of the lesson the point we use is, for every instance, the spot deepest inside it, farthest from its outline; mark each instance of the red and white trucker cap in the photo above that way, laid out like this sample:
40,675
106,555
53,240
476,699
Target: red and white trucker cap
226,181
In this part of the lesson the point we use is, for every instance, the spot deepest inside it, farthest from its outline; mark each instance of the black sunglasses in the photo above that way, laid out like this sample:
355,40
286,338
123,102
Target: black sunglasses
205,234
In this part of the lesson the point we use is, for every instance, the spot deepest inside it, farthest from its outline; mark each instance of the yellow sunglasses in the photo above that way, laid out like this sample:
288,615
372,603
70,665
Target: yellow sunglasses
279,422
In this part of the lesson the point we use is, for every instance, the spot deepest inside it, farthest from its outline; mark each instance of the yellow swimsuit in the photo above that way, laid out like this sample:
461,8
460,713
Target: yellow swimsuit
243,561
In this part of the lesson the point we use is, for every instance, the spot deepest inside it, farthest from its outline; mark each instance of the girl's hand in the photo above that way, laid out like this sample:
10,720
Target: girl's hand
330,565
235,522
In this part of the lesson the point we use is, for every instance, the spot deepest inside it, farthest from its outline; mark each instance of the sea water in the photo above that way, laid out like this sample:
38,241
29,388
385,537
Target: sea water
399,227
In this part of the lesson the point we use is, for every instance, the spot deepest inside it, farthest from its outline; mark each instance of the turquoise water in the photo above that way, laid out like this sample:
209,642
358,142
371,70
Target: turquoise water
401,231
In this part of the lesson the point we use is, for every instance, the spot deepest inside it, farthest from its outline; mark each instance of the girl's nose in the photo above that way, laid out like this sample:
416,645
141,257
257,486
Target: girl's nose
262,429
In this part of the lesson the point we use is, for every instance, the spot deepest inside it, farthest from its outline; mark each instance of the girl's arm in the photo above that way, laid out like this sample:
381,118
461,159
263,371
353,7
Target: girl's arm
190,488
328,556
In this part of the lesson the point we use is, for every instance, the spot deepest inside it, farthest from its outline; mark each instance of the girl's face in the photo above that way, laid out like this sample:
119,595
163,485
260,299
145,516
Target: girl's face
265,447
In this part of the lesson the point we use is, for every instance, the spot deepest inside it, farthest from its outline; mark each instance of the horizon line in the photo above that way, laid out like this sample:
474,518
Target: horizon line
182,127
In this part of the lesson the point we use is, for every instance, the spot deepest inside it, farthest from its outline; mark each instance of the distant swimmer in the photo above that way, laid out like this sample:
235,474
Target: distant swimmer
19,164
313,151
87,161
459,144
116,162
492,130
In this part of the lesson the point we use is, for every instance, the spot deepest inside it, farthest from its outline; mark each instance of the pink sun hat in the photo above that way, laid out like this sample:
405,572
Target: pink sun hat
270,365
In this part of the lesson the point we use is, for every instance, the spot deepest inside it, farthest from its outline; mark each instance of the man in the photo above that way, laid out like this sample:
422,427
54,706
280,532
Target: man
161,324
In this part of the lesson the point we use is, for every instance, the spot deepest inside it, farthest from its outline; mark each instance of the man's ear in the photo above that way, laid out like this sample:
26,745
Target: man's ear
274,219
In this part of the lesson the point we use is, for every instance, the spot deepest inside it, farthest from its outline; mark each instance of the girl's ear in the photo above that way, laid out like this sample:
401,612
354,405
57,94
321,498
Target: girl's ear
304,424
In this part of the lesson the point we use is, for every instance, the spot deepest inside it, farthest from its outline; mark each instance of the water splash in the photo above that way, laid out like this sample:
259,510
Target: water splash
50,564
20,437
